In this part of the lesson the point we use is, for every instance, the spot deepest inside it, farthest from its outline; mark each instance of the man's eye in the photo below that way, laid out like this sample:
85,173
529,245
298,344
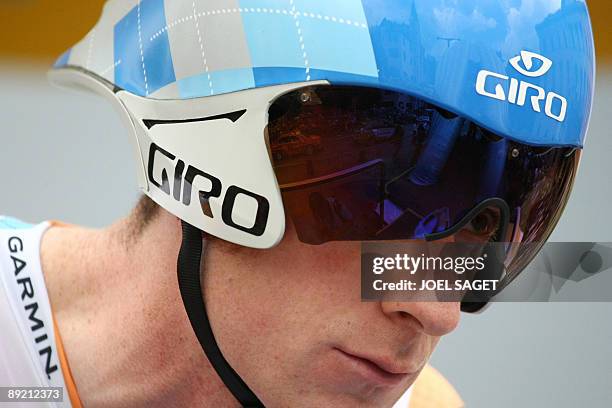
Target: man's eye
485,223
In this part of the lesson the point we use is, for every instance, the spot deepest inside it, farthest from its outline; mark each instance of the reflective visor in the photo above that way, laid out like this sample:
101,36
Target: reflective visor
364,164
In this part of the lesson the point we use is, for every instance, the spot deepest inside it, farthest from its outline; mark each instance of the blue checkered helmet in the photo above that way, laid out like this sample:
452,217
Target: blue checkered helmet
522,73
163,49
191,78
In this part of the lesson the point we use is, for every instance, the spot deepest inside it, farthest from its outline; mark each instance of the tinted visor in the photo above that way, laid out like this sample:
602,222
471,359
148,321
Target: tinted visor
363,164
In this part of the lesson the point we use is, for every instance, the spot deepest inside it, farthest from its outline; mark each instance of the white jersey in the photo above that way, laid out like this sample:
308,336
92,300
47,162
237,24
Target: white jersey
28,350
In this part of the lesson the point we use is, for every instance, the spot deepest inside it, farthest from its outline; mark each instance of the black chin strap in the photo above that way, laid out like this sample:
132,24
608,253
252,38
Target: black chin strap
189,260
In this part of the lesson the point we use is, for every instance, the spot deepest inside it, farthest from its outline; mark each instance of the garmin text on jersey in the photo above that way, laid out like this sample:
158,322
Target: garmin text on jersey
30,304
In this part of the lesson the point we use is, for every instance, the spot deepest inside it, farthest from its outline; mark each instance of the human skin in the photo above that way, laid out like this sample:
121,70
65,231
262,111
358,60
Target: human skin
285,319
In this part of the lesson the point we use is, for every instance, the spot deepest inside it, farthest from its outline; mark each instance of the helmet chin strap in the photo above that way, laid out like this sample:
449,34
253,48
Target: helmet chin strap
188,269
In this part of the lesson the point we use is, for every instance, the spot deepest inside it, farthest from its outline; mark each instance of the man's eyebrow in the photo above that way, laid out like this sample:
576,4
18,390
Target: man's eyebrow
233,116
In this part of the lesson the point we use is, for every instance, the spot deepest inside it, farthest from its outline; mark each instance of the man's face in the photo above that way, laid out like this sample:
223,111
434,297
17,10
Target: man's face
290,320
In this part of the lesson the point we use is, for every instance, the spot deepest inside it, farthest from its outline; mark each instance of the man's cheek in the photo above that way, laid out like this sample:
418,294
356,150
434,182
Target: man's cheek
337,261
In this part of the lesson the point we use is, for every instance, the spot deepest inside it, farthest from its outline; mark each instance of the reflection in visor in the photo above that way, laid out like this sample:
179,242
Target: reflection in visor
366,164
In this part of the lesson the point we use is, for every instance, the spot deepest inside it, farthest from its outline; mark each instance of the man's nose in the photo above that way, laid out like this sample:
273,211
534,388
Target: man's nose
435,318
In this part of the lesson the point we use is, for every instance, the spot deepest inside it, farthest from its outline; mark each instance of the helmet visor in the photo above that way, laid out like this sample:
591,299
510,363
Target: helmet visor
357,163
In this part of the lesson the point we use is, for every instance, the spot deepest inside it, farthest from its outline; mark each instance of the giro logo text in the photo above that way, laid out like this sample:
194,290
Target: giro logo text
183,178
515,91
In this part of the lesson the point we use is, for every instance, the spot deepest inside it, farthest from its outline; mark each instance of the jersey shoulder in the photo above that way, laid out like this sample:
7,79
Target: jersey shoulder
28,347
10,223
431,389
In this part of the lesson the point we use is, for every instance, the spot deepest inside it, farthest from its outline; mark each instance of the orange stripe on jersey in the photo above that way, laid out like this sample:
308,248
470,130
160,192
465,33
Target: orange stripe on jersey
75,400
73,394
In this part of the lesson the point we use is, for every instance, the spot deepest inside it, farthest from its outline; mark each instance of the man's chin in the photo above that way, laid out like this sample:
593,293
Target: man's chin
352,399
352,380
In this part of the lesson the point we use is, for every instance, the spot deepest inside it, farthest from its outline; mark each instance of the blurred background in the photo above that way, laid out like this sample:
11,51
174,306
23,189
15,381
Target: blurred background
513,355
